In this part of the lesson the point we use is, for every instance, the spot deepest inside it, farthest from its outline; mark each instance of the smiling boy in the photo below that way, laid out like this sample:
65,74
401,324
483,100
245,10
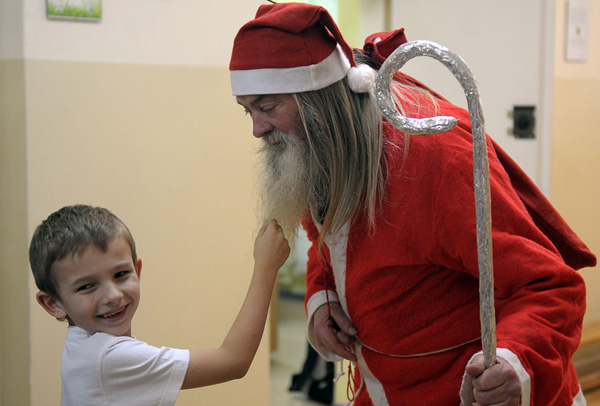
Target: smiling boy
85,265
98,291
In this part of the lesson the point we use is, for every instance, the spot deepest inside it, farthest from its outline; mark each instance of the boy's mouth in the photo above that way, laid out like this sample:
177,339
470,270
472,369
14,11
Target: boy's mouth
113,314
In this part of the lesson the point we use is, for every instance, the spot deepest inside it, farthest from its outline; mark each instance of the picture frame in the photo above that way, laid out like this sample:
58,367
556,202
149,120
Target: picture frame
78,10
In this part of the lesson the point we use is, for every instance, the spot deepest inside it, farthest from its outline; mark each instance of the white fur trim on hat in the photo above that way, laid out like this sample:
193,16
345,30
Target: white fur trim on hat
361,78
291,80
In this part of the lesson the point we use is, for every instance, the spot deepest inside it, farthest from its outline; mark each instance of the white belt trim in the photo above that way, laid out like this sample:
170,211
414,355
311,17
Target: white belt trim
374,386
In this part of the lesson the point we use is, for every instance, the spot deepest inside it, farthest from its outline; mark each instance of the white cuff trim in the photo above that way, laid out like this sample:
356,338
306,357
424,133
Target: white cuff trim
316,301
466,390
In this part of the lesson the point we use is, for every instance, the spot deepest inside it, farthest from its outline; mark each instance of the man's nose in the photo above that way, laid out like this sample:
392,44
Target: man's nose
261,127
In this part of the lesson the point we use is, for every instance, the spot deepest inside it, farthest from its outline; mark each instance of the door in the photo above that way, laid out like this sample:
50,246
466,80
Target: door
503,42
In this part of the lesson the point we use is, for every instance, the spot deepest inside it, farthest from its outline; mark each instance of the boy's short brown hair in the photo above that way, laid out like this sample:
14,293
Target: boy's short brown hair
69,231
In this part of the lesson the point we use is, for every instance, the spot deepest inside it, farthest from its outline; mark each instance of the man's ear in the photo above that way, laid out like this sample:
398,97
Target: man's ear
52,305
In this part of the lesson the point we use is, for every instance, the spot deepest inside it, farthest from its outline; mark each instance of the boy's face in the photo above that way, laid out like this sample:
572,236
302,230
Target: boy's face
99,291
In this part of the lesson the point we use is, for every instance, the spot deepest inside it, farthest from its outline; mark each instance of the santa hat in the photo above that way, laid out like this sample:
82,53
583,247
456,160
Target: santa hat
292,48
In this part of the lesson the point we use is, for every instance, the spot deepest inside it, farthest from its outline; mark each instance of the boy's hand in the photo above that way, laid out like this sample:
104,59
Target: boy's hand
271,249
497,385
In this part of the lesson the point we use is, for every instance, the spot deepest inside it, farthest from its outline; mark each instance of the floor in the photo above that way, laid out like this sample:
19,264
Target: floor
291,352
593,398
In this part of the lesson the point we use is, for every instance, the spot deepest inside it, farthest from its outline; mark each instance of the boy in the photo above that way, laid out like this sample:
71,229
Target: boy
85,265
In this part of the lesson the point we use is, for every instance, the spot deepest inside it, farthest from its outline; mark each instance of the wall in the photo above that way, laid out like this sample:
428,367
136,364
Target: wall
11,29
502,43
14,298
575,164
14,302
186,32
135,114
160,158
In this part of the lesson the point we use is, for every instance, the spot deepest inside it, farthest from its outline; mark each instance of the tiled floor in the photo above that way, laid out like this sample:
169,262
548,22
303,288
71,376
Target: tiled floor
289,357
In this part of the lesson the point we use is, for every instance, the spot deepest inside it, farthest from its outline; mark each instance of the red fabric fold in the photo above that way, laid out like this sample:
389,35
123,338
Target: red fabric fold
379,46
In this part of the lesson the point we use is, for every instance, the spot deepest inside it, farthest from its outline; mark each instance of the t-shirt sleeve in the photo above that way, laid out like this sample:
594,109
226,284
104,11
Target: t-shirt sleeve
135,371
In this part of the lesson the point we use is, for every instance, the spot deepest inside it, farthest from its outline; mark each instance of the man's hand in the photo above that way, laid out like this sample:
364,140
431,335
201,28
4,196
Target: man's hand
334,330
497,385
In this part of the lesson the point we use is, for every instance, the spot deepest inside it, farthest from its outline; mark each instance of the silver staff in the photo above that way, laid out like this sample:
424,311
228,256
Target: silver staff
481,171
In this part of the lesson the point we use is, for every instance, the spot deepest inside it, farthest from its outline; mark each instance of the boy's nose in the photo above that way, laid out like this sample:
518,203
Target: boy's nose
112,293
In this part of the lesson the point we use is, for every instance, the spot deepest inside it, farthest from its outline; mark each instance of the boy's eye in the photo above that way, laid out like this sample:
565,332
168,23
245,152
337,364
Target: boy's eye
120,274
85,287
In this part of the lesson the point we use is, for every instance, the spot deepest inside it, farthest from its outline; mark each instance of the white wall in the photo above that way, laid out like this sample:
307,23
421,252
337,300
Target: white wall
502,44
11,29
185,32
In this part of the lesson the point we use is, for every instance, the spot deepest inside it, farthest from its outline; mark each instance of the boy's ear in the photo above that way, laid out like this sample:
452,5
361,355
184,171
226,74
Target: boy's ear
52,305
138,268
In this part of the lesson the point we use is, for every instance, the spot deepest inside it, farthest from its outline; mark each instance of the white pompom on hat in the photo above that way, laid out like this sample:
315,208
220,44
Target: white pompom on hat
292,48
361,78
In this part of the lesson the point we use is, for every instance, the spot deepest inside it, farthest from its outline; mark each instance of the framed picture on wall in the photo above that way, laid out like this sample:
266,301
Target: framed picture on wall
81,10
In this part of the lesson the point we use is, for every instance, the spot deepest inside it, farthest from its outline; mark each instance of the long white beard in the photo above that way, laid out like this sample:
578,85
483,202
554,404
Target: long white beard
286,183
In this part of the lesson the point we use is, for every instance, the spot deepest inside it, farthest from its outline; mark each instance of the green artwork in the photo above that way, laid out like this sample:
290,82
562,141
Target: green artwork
74,9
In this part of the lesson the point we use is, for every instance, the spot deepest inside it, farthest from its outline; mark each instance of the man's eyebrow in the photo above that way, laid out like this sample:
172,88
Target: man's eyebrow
256,100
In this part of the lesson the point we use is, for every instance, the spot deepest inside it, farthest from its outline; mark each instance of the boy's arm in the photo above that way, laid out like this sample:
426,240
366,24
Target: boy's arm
233,358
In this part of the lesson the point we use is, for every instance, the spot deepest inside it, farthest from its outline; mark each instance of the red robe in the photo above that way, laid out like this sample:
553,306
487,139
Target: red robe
411,287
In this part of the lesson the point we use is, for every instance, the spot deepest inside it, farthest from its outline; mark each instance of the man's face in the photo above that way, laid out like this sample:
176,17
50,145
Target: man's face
271,112
286,181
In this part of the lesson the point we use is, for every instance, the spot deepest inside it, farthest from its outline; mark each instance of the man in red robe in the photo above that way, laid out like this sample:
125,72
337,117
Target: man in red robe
392,278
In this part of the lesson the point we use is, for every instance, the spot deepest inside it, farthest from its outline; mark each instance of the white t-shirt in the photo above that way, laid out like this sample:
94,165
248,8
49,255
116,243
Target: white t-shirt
100,369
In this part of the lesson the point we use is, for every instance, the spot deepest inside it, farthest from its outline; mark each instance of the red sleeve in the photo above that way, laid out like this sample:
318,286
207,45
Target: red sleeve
319,275
540,300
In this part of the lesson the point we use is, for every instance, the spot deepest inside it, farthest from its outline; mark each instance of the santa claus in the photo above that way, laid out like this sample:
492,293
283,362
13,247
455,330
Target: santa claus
392,275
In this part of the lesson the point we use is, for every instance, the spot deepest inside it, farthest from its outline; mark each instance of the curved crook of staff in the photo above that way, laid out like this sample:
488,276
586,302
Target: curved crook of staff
481,172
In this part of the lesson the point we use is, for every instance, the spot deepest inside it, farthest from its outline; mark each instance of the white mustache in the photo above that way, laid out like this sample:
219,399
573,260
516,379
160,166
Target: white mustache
276,137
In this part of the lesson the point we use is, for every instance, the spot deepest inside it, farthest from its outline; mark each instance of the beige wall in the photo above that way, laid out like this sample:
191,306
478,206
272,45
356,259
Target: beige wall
575,142
110,114
168,150
14,296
